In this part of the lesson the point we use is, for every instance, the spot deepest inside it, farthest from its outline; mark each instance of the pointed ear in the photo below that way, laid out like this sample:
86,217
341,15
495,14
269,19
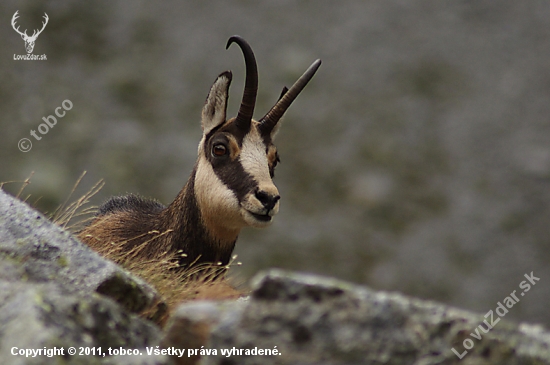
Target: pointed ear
214,110
275,129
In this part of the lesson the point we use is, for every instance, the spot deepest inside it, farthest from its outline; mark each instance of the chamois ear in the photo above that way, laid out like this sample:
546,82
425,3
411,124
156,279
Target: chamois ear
215,107
275,129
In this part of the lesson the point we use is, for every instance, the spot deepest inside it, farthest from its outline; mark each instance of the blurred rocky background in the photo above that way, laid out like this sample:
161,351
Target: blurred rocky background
417,159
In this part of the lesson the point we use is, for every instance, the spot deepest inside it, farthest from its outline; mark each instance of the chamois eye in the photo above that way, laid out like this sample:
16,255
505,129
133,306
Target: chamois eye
219,150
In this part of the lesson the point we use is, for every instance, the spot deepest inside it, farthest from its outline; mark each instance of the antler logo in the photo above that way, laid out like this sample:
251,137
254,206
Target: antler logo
29,41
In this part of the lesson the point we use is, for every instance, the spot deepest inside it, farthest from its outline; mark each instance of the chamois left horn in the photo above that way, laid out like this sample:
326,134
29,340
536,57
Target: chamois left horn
246,111
268,122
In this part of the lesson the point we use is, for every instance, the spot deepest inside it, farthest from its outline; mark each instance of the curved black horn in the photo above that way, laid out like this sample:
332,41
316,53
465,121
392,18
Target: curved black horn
268,122
248,102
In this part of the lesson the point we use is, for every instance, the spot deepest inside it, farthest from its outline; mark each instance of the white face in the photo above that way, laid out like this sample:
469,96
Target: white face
262,202
233,181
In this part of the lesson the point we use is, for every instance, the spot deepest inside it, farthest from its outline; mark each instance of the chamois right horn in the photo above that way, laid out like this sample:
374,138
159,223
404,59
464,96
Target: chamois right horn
269,121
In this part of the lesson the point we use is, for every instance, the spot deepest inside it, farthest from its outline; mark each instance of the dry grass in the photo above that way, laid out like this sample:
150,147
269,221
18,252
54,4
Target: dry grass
23,183
175,286
72,217
65,215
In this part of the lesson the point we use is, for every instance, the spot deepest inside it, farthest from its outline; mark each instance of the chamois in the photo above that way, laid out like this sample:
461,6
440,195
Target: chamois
230,186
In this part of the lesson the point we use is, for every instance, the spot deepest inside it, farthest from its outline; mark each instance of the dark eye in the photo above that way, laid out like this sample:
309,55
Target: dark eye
219,150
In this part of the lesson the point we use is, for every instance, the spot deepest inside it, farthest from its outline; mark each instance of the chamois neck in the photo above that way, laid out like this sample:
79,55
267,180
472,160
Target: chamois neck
200,240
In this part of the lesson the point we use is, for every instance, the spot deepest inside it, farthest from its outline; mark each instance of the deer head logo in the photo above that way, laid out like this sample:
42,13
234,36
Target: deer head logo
29,41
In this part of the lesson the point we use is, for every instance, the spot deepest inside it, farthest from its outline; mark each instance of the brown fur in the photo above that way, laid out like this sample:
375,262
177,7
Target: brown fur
170,230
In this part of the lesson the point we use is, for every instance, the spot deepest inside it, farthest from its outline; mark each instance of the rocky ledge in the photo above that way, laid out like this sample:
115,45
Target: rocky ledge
57,295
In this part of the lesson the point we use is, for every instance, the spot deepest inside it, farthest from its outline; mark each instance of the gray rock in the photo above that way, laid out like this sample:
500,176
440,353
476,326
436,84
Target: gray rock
314,320
38,316
190,325
35,250
57,293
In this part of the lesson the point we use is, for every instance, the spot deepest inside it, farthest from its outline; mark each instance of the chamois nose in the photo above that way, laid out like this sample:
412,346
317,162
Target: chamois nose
268,200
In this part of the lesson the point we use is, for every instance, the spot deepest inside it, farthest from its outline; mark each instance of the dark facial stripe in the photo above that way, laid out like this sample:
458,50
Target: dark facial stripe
228,127
233,175
229,170
212,132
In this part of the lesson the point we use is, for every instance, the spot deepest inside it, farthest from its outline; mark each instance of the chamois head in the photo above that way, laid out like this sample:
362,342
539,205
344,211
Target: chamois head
230,187
237,157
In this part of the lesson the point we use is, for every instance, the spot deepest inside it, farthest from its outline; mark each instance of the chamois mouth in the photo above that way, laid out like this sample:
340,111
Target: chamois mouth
261,217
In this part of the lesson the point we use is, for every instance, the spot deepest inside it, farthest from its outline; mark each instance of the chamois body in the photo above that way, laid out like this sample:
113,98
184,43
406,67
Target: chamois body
133,221
230,186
